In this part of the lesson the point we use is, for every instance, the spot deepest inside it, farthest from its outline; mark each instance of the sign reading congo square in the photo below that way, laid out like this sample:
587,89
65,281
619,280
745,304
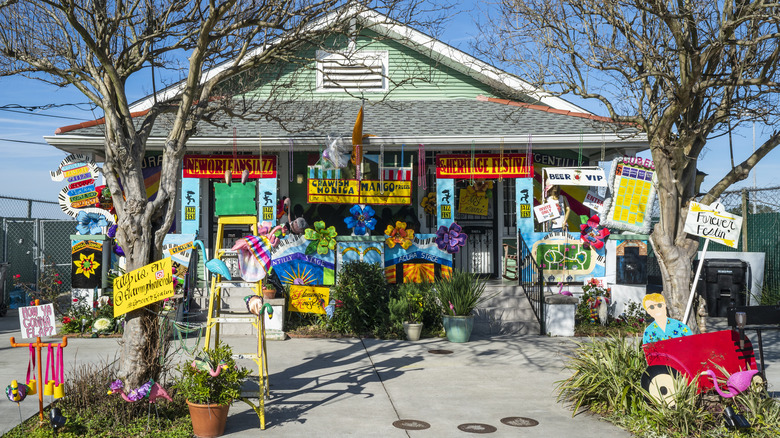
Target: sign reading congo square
352,191
145,285
708,222
309,299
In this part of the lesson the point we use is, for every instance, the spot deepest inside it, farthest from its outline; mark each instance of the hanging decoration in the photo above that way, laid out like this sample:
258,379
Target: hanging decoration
451,239
323,238
290,168
336,153
422,181
381,165
501,159
90,223
591,233
357,142
472,163
631,183
428,203
80,194
254,257
399,235
361,219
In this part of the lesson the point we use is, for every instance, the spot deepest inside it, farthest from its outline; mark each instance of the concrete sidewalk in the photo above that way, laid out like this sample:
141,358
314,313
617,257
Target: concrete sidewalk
353,387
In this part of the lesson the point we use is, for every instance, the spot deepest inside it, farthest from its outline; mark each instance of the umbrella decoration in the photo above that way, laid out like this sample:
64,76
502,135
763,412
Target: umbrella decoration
451,239
361,219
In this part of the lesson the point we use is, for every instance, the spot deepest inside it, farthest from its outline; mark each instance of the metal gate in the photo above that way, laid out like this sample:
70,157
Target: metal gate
479,255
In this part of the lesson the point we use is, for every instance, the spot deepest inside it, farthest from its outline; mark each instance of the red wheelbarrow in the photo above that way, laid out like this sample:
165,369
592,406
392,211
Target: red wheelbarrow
690,356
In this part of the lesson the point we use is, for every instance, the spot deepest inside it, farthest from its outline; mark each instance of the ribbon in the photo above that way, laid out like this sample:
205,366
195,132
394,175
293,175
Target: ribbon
49,364
31,361
421,180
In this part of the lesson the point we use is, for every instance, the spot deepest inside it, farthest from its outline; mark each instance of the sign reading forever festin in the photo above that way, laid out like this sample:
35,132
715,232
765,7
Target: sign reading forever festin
708,222
145,285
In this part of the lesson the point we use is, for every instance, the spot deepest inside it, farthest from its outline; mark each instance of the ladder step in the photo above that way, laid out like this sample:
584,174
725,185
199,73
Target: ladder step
235,284
251,356
234,320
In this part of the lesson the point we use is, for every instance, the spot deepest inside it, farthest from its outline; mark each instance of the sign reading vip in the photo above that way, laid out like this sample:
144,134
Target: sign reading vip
309,299
575,176
711,222
352,191
145,285
37,321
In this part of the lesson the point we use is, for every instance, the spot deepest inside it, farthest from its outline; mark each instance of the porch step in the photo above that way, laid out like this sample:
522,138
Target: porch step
508,312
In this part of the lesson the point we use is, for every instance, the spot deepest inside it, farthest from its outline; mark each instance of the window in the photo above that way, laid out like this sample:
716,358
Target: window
360,71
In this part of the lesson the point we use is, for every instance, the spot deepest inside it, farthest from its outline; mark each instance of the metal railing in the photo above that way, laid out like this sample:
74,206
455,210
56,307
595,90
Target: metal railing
531,279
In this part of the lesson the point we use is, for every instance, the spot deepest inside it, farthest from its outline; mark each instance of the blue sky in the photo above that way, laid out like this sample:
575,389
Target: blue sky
27,160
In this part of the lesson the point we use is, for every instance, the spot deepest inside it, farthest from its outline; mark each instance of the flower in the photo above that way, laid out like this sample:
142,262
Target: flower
361,219
323,238
428,203
451,239
102,324
399,235
90,223
66,320
86,265
58,281
17,276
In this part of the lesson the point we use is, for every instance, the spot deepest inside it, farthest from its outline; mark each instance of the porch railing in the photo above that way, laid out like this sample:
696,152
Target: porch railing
531,279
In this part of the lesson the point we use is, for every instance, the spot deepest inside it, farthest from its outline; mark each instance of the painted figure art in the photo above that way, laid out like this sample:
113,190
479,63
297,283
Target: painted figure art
662,327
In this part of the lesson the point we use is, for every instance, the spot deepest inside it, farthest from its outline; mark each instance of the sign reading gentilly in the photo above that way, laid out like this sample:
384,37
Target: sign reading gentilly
713,223
145,285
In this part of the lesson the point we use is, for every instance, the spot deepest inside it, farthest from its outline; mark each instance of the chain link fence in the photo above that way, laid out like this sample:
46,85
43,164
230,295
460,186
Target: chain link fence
34,234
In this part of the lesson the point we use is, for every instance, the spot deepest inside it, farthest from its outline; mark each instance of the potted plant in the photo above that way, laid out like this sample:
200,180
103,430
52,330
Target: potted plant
210,383
269,291
408,308
458,296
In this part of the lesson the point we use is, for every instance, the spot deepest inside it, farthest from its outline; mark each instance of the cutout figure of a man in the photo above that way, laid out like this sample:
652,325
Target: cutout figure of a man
663,327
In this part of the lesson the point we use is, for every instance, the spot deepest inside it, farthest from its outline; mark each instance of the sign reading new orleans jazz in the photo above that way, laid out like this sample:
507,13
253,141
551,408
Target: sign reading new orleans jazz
214,166
145,285
80,194
352,191
484,166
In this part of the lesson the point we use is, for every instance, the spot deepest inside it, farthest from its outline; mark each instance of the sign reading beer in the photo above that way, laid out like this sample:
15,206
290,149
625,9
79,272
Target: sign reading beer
575,176
713,223
214,166
352,191
484,166
145,285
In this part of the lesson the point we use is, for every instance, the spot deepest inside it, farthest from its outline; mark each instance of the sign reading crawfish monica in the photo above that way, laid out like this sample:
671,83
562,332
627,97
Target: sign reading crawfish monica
352,191
214,166
484,166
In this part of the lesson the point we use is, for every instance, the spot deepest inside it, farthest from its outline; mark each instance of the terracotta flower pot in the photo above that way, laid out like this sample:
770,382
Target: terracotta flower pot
269,294
208,421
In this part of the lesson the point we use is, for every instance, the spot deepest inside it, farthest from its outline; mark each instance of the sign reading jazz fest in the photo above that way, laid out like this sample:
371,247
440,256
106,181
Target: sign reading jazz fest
214,166
309,299
484,166
80,193
713,223
145,285
352,191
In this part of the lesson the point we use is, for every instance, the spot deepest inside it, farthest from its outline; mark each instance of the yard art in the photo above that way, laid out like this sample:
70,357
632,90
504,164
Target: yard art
416,260
179,248
472,202
633,194
37,321
143,286
593,200
369,249
86,263
591,233
711,222
547,211
309,299
294,266
445,198
352,191
80,195
480,166
565,258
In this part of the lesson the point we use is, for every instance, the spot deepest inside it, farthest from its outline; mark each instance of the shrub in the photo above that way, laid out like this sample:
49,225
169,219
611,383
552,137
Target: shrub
415,301
198,385
362,295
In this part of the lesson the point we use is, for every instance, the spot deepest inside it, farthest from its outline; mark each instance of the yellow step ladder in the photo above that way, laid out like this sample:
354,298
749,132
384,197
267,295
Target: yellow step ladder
216,318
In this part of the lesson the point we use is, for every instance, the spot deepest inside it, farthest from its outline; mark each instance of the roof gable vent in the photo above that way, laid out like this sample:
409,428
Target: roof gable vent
361,71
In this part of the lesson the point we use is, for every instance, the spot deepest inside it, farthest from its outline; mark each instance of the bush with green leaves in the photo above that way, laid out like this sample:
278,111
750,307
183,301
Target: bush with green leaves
415,302
198,385
362,297
461,293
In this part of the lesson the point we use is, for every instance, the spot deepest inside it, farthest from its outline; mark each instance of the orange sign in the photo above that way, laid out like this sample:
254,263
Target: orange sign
214,166
484,166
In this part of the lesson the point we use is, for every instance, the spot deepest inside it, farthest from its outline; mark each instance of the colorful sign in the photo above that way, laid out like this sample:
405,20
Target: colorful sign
145,285
80,194
483,166
445,198
713,223
190,205
86,265
548,211
575,176
564,258
179,248
37,321
214,166
369,249
633,194
593,200
423,261
293,266
352,191
472,202
309,299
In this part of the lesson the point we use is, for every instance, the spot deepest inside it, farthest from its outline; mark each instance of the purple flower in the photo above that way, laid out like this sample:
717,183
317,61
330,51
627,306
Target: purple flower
112,231
116,385
361,219
451,239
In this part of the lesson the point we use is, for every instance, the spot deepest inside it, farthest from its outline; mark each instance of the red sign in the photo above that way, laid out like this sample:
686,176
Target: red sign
214,166
484,166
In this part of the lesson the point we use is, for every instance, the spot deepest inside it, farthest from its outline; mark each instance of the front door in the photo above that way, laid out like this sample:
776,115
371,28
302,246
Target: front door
479,255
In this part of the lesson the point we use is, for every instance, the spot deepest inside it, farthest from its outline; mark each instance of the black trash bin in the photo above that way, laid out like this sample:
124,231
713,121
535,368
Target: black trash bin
724,284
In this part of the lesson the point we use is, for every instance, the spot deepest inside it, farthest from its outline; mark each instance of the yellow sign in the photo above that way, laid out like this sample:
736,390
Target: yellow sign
352,191
146,285
472,202
309,299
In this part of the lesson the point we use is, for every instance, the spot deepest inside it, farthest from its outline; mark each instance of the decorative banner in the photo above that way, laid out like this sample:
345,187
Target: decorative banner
80,171
293,266
593,200
179,248
37,321
87,264
564,258
471,202
369,249
190,205
352,191
548,211
484,166
214,166
632,195
145,285
524,199
445,197
266,199
309,299
574,176
421,261
713,223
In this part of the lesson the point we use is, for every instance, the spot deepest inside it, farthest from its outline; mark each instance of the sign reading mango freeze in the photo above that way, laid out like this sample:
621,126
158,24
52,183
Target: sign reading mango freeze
146,285
352,191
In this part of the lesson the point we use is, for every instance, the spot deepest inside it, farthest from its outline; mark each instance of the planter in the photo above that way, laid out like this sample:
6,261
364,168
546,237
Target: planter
413,330
269,294
208,421
458,328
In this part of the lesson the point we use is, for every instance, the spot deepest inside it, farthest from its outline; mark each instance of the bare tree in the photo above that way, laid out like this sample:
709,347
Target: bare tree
682,72
99,46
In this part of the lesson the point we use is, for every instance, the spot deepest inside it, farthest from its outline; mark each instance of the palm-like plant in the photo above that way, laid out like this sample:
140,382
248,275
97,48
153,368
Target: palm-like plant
461,293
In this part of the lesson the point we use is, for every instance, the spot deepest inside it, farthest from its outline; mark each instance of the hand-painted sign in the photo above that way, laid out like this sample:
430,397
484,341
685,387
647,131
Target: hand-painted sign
471,202
548,211
309,299
145,285
633,194
352,191
37,321
214,166
575,176
484,166
86,264
593,200
713,223
80,172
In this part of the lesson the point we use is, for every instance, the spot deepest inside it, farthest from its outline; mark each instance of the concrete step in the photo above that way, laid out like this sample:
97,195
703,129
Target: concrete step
506,312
